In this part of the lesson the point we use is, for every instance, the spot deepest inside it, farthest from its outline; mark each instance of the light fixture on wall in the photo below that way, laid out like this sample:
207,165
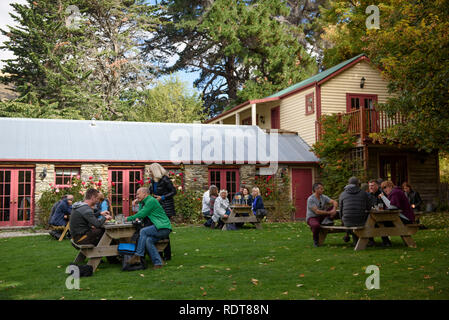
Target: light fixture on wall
262,119
362,82
43,174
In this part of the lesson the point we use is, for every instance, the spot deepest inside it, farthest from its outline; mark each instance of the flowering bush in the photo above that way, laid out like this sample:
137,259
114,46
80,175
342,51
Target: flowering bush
334,150
275,194
77,188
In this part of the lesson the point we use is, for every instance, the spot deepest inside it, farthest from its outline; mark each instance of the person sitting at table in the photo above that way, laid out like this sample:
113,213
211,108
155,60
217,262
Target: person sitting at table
238,196
62,212
162,188
102,206
257,203
148,236
354,206
205,204
317,212
221,209
396,199
213,194
413,196
85,227
247,198
375,191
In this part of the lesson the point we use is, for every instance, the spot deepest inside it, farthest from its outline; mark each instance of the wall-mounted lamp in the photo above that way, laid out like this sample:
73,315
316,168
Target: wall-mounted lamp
262,119
43,174
362,82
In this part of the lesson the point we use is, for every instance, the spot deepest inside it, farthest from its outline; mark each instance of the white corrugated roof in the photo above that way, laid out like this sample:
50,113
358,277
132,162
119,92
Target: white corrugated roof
79,140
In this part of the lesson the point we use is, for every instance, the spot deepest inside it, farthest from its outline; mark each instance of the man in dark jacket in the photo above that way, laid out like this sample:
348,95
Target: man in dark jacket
62,212
85,227
354,204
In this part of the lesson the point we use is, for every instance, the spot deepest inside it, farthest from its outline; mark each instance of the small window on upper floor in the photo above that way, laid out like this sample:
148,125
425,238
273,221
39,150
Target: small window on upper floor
310,104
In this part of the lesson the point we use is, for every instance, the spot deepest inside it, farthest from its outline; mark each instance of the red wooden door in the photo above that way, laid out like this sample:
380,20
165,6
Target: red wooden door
301,190
125,182
275,118
367,102
16,197
225,179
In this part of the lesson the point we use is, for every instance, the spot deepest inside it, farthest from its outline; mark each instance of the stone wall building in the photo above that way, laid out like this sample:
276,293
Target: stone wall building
35,153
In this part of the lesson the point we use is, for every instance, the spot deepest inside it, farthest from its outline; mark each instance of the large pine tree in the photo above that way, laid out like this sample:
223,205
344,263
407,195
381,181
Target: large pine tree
242,49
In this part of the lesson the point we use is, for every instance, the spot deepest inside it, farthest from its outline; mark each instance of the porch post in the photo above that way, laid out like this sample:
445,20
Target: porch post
237,119
253,114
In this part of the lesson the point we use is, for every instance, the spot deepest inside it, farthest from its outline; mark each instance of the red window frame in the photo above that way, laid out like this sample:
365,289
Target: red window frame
125,183
310,103
225,178
362,98
73,172
17,197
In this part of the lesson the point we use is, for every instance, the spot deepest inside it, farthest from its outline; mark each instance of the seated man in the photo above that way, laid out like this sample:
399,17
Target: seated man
316,210
160,229
85,227
62,212
354,204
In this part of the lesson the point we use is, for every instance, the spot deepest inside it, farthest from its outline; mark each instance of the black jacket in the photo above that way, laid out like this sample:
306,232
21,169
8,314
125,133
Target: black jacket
166,189
414,198
352,203
82,218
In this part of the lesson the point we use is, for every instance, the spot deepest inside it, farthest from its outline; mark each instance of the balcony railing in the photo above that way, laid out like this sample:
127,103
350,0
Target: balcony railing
362,122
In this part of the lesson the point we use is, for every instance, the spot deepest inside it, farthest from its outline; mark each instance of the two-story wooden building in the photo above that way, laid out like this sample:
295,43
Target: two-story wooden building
352,87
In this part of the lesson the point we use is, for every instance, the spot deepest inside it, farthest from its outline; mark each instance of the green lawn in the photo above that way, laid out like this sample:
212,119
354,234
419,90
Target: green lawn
278,262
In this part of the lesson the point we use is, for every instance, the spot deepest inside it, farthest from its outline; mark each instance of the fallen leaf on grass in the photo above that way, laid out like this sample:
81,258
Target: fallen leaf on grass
142,275
301,275
332,268
255,282
430,287
299,285
427,277
202,267
286,292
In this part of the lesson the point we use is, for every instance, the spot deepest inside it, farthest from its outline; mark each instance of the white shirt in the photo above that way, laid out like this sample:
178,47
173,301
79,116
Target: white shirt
206,202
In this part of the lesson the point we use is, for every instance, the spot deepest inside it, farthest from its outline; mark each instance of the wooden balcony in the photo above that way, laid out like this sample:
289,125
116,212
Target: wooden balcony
362,122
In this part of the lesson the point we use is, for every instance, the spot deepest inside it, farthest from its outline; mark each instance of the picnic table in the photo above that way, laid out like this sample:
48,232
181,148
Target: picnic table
380,223
121,232
241,213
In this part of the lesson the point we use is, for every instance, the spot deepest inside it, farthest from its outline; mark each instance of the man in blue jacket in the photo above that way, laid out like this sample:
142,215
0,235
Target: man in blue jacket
62,212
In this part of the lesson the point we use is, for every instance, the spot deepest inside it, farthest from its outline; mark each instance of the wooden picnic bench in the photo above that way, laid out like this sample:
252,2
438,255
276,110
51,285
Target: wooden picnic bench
375,227
120,232
241,214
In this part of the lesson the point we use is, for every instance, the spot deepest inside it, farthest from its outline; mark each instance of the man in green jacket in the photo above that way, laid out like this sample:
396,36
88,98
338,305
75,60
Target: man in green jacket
161,228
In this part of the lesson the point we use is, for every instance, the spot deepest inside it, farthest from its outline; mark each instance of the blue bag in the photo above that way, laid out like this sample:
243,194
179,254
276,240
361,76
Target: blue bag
126,248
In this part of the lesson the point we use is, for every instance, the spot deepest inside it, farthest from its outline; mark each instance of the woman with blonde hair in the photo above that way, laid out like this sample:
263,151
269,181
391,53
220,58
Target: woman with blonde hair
221,209
257,205
162,188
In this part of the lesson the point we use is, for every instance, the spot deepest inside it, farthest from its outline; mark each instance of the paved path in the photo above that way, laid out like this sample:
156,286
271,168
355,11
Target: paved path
22,233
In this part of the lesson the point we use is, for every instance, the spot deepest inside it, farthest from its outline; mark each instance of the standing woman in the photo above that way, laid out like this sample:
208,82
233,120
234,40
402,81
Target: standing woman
162,188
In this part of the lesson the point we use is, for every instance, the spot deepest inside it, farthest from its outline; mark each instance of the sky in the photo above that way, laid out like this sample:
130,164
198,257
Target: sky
5,20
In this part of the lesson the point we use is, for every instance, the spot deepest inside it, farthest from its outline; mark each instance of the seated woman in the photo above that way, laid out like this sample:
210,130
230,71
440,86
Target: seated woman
396,199
247,198
257,203
413,196
221,209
